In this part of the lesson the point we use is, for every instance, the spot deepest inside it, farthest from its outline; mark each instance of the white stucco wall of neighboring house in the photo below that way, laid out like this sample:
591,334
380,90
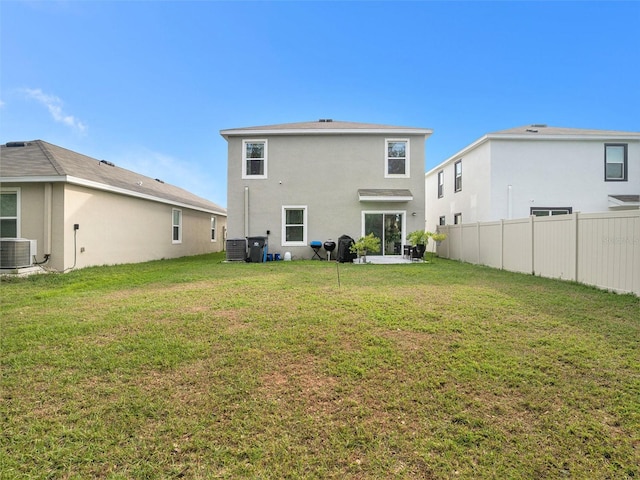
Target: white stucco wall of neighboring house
506,175
555,173
322,173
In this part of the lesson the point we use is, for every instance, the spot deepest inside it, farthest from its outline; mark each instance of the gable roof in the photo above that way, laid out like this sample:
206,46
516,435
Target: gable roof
325,127
39,161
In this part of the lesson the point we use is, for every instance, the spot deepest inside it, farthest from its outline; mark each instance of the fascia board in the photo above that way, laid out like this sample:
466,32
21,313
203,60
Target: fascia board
327,131
32,179
458,154
384,199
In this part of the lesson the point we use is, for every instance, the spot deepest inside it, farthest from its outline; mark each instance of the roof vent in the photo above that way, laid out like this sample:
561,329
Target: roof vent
325,120
159,181
106,162
16,144
532,130
539,125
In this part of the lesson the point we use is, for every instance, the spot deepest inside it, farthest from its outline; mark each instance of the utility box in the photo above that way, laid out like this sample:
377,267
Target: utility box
257,249
236,249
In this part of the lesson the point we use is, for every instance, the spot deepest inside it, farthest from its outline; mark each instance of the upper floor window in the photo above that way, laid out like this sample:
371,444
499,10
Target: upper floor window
9,213
254,159
458,176
213,229
397,158
176,223
615,162
294,226
440,184
457,219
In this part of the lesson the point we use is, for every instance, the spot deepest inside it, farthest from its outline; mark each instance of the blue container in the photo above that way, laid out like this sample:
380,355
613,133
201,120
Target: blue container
276,257
269,257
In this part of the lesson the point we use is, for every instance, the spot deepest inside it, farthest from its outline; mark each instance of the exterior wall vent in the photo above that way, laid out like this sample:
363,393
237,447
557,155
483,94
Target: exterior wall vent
17,252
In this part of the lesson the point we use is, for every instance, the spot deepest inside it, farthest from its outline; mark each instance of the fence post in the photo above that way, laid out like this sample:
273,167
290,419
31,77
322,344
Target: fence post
533,244
577,243
501,244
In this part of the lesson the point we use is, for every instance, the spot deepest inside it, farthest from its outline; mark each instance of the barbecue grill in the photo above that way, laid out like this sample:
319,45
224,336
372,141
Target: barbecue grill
329,246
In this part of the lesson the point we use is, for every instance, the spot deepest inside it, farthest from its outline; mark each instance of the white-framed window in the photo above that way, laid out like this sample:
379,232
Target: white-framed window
10,212
440,184
213,229
615,162
442,220
254,158
457,219
294,225
549,211
458,176
397,158
176,224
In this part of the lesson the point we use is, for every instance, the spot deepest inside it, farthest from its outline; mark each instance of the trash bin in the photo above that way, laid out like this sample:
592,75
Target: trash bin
345,255
257,249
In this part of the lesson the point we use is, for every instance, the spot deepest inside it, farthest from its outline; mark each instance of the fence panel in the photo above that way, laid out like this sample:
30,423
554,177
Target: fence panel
600,249
554,241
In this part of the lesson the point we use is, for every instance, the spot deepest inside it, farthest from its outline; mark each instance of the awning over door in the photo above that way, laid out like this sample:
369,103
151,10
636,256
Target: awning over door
623,202
384,195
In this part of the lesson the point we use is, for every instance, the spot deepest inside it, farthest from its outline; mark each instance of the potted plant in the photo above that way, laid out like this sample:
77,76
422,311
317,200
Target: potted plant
419,240
369,243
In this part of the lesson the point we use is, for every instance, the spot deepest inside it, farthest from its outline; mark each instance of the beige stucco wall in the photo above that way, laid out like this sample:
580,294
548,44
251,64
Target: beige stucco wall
114,228
323,173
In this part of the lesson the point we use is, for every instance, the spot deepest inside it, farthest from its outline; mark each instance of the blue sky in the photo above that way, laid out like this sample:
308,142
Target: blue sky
148,85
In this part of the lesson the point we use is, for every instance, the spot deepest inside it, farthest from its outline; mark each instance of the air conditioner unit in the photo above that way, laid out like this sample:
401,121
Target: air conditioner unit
236,249
17,252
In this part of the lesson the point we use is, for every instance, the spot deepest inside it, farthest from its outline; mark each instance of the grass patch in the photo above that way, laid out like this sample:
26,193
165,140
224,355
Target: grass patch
195,368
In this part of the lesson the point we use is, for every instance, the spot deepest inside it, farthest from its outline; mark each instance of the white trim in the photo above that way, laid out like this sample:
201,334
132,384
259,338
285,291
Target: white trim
407,158
174,225
245,175
18,193
305,226
107,188
364,198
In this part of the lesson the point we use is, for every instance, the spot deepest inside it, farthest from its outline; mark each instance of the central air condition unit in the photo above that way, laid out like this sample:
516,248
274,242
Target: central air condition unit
236,249
17,252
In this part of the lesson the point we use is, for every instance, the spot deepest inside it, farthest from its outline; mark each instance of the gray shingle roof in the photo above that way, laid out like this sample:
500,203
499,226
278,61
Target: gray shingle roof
534,130
325,126
38,159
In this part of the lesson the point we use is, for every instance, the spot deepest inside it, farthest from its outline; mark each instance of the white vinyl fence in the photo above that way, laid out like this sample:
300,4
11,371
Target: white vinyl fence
600,249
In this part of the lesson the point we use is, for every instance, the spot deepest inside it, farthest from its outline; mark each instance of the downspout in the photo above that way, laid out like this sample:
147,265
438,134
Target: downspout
48,215
246,212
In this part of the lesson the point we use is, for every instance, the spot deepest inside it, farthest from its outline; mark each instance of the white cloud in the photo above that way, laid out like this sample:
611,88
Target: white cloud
54,105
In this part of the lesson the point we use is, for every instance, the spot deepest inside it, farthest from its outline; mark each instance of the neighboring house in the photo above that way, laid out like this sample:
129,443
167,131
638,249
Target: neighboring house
83,211
535,170
314,181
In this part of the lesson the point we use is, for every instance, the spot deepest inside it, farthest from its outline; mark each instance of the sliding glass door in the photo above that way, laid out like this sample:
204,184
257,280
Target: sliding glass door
388,227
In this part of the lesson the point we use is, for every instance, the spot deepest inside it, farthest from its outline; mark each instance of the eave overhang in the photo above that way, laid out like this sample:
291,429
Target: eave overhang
384,195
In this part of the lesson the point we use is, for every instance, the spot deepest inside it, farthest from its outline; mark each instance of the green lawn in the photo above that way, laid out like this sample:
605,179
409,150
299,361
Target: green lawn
194,368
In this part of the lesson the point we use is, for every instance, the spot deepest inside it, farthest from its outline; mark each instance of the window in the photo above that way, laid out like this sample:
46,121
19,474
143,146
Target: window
442,221
294,226
254,159
213,229
9,213
547,211
440,184
457,219
177,225
458,176
397,158
615,162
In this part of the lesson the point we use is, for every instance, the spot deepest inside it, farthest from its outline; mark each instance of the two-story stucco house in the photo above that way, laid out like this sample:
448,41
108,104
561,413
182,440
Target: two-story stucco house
314,181
535,170
79,211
